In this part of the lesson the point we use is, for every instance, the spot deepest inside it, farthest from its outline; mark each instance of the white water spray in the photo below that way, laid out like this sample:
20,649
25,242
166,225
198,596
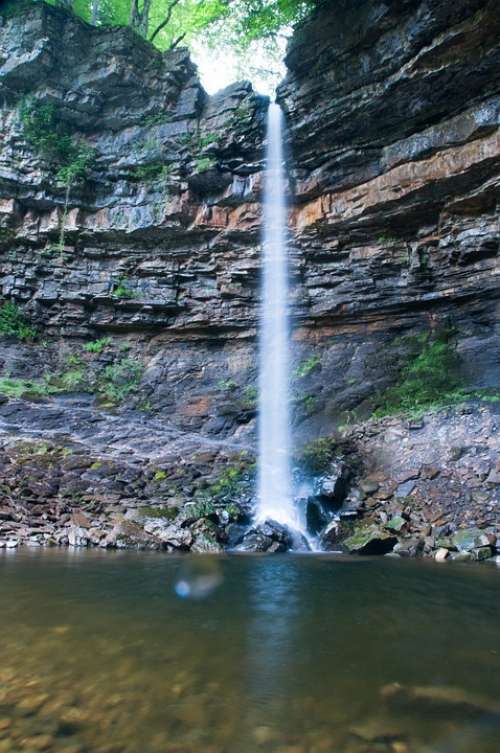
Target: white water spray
275,498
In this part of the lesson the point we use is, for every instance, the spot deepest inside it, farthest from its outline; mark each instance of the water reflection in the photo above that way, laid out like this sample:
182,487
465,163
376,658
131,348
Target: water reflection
284,655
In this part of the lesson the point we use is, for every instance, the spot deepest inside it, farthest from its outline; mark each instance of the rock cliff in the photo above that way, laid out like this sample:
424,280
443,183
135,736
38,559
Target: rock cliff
140,275
393,111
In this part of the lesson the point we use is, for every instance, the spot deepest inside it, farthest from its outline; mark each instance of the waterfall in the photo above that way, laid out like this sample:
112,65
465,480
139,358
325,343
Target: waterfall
275,498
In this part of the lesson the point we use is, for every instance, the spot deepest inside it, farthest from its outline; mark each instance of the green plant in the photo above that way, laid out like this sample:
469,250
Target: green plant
73,379
50,250
157,118
11,387
13,322
305,368
197,142
122,289
50,135
316,456
74,360
151,172
119,380
386,238
160,475
204,164
227,384
207,140
430,379
249,399
44,128
242,115
308,403
78,166
97,346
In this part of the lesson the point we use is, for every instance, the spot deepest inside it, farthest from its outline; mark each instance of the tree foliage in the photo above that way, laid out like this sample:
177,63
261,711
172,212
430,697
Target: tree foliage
238,23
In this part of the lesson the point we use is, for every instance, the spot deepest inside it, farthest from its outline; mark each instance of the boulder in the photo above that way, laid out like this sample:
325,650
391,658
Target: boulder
441,554
332,489
266,537
316,515
467,539
78,537
330,535
370,540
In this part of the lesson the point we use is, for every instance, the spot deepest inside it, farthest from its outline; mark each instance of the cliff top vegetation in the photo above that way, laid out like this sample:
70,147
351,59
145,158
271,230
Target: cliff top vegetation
253,31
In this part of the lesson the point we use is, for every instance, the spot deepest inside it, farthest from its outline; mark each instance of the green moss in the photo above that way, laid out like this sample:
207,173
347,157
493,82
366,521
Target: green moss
307,366
249,399
227,385
157,118
122,289
316,456
160,475
196,142
204,164
429,380
11,387
308,404
386,238
13,323
151,172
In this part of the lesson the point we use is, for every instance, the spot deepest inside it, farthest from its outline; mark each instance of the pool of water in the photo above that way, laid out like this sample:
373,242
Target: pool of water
144,653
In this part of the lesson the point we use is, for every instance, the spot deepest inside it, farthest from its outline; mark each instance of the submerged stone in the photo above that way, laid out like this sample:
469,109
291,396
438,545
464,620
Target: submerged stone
440,699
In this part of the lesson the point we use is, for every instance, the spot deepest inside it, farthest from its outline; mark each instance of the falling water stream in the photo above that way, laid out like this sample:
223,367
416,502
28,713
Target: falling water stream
275,497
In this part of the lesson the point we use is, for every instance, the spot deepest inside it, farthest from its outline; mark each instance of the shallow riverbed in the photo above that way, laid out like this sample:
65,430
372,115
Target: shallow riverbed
144,653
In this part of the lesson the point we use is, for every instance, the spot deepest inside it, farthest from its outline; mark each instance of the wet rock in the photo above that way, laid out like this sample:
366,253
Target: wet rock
370,540
78,537
481,553
353,506
331,490
467,539
397,523
441,554
330,536
316,515
267,537
369,485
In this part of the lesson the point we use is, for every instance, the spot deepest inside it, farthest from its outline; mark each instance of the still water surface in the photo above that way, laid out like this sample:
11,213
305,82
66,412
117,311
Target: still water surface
281,654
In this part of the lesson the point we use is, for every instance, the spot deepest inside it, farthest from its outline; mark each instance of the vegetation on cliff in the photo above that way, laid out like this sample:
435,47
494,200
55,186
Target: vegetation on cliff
168,23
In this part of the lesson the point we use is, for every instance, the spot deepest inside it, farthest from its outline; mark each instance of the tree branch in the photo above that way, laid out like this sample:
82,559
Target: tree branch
177,41
165,20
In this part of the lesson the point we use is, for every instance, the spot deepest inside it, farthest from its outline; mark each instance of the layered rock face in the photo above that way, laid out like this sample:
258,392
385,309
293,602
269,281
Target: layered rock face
160,241
393,111
142,278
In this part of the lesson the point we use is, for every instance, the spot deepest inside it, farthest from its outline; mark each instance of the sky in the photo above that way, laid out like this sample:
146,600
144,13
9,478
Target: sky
218,68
